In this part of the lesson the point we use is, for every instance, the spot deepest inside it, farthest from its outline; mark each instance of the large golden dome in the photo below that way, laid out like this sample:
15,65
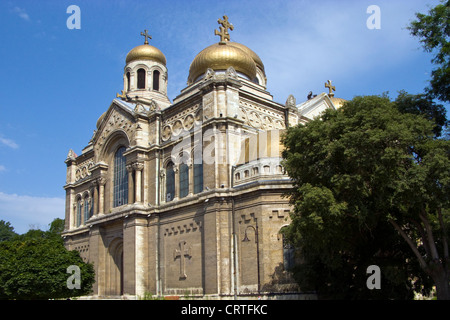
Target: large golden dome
221,56
146,52
250,52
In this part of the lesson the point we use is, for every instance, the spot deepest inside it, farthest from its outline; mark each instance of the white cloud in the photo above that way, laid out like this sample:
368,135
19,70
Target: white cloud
9,143
21,13
26,211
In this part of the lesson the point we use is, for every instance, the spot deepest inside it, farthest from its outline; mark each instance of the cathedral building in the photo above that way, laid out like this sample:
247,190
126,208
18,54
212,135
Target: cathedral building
187,197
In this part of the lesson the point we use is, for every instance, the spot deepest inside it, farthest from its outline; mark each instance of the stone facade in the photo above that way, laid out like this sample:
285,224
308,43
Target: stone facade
217,149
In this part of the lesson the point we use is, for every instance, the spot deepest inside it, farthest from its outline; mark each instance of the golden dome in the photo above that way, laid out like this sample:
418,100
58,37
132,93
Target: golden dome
250,52
146,52
221,56
338,102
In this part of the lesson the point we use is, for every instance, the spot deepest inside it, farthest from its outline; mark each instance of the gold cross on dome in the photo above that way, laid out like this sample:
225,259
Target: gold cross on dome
223,33
330,88
146,35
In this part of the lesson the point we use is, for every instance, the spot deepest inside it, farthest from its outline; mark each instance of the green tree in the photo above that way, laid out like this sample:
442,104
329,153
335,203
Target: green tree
56,226
34,266
371,185
422,104
6,231
433,29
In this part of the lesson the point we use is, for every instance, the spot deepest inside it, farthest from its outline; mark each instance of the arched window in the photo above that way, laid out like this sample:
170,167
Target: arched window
170,182
184,180
156,80
86,209
120,178
141,79
128,81
198,169
79,210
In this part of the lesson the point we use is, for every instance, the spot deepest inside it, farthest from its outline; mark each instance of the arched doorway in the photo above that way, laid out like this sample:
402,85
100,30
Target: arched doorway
115,270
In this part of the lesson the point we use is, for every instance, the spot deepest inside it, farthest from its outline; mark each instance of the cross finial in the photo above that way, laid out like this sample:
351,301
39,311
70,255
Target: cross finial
146,35
223,33
330,88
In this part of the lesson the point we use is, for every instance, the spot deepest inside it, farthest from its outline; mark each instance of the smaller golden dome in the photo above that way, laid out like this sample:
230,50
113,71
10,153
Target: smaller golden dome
221,56
338,102
146,52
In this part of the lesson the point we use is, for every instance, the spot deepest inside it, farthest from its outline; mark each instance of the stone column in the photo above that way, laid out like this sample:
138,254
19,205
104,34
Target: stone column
191,177
138,167
73,221
101,198
94,185
130,184
176,182
162,185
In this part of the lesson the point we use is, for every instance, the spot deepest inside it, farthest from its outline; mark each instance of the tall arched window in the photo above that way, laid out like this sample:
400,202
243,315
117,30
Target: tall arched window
86,209
184,180
170,182
79,210
198,172
156,75
141,79
120,178
128,82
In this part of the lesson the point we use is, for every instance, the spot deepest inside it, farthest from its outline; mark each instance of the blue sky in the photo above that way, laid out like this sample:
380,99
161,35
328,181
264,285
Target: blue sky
56,82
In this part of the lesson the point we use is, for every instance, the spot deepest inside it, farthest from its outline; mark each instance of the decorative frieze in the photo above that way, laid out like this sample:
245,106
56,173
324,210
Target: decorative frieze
84,169
184,121
260,117
182,229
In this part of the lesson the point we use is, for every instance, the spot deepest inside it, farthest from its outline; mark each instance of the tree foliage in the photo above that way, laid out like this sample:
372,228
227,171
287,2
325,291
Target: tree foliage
6,230
422,104
34,266
370,187
433,30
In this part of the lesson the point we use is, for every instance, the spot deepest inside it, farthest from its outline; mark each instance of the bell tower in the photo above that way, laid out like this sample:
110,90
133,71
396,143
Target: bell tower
145,74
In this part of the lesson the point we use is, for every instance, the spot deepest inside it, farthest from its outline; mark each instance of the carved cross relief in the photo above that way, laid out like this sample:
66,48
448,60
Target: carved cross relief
183,252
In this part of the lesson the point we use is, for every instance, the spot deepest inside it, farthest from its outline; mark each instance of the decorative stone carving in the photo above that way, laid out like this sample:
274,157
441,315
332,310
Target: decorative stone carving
116,121
182,253
209,74
166,133
231,73
199,116
177,127
138,166
139,109
154,106
188,122
101,181
71,155
260,117
83,170
255,120
208,106
290,102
